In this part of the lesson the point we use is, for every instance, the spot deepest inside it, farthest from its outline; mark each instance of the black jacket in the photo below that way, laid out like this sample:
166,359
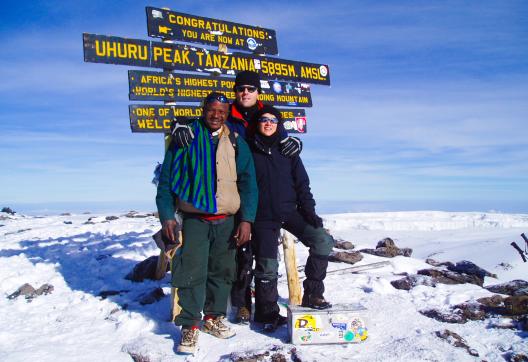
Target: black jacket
282,182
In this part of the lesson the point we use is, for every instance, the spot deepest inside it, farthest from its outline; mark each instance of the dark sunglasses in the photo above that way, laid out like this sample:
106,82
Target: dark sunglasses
241,88
268,119
216,97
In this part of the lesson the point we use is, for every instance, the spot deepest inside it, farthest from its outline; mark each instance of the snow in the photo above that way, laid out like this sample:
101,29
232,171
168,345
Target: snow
81,260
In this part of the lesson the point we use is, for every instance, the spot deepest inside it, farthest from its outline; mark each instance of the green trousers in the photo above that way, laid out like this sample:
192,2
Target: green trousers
204,270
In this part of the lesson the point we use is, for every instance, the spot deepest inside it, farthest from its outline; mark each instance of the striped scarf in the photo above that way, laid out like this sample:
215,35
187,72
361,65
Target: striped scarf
193,171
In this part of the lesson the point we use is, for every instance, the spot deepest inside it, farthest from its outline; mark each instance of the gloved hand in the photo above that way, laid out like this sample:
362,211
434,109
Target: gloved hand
312,218
182,134
290,146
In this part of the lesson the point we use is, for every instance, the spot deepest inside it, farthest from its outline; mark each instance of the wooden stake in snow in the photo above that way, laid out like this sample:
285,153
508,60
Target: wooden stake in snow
290,260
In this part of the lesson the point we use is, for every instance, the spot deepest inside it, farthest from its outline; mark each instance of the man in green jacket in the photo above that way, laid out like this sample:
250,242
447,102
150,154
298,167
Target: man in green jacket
209,182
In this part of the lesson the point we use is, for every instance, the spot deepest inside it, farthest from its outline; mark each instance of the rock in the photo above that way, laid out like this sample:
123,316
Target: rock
45,289
449,277
152,296
438,263
26,290
65,214
388,249
516,305
505,266
145,270
470,268
455,340
517,357
345,245
68,222
30,293
513,287
135,214
492,302
345,257
110,218
386,243
8,210
108,293
411,281
460,313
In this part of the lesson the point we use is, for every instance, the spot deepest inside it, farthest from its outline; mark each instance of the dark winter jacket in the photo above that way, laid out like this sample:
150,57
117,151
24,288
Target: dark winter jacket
282,182
241,121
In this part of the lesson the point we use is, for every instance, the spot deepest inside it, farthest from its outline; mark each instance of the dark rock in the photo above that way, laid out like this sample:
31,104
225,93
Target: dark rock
514,287
517,357
152,296
455,340
345,257
449,277
108,293
110,218
516,305
388,249
68,222
411,281
145,270
492,302
345,245
65,214
460,313
386,243
470,268
8,210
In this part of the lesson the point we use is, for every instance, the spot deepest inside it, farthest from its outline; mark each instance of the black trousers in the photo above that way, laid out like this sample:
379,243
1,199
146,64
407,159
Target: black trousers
264,248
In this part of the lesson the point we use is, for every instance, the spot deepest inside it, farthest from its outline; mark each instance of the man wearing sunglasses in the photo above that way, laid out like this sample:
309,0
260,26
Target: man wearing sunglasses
246,104
209,182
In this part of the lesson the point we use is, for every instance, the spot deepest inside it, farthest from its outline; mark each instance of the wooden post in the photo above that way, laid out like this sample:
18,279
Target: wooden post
290,260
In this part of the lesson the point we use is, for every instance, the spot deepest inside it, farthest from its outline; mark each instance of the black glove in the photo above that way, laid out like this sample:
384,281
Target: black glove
312,218
182,134
290,146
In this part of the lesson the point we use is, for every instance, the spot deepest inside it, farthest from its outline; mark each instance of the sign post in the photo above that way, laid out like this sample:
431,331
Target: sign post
285,83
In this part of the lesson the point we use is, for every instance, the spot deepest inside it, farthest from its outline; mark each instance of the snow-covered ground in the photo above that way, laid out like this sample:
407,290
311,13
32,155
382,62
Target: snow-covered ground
82,260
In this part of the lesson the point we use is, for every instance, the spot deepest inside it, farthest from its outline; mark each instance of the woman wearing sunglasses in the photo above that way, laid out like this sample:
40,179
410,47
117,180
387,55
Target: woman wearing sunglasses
285,201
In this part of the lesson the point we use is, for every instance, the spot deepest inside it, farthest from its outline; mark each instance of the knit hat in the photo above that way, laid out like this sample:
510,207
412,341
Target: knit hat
248,77
267,109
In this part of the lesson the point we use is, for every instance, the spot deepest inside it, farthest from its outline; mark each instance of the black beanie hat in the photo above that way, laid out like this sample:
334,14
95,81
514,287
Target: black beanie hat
248,77
267,109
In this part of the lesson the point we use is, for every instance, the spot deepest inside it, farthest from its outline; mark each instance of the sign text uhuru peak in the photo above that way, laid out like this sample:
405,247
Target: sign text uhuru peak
114,50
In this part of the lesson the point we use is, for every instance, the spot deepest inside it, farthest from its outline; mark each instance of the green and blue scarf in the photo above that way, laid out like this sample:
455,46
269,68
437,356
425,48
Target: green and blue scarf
193,171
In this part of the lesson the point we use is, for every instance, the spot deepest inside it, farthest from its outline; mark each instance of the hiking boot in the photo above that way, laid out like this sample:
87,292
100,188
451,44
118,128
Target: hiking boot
189,340
243,315
315,302
215,326
275,323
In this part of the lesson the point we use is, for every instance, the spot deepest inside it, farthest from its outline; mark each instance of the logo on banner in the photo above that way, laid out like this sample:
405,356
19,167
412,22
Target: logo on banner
252,43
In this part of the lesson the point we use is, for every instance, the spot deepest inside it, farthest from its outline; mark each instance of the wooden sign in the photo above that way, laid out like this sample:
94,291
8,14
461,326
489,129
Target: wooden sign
165,86
167,24
150,118
142,53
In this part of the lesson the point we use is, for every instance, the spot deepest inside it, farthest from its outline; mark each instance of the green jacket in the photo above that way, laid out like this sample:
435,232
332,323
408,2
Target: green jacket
246,182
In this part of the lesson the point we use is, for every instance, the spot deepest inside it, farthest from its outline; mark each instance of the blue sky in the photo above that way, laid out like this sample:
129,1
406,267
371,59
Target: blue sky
428,106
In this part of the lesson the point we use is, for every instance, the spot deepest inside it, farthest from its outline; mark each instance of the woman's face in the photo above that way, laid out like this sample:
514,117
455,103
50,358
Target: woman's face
267,124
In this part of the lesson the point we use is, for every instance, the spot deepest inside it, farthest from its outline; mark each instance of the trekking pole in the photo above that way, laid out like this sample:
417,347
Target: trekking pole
514,244
525,240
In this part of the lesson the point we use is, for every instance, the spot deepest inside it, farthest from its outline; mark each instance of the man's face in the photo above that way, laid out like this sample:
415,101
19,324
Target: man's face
244,97
215,114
